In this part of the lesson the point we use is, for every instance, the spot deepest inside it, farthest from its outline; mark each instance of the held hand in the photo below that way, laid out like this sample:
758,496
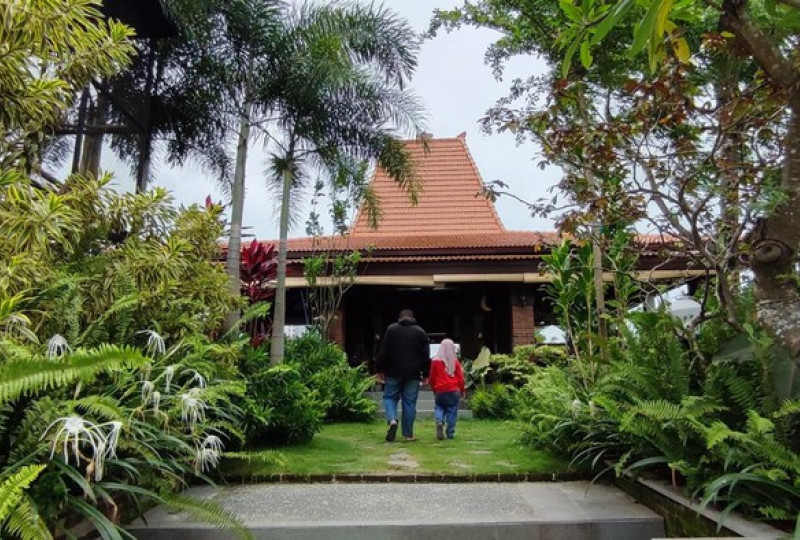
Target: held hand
380,377
425,380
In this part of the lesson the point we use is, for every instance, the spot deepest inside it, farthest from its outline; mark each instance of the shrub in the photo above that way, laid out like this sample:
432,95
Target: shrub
506,369
494,401
324,369
281,409
550,355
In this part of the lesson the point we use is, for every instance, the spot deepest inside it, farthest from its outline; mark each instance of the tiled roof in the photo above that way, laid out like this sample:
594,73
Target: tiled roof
385,242
452,218
450,202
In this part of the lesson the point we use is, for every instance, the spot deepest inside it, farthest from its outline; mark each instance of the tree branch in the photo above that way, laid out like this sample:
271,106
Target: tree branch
768,56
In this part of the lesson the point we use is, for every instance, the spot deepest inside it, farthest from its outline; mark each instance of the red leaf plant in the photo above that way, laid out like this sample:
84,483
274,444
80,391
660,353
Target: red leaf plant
258,271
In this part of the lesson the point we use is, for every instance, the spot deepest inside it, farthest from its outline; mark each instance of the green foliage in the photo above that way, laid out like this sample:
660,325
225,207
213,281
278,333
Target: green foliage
50,50
12,487
32,377
324,368
281,409
493,401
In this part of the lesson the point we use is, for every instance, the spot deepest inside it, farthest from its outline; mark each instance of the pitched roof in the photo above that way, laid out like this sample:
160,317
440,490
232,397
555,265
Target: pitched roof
451,202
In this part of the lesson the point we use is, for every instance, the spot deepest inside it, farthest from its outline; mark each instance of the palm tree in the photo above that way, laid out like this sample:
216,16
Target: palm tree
337,91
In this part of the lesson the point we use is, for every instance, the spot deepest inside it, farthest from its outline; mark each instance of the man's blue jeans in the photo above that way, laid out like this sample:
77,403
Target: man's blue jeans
446,410
395,389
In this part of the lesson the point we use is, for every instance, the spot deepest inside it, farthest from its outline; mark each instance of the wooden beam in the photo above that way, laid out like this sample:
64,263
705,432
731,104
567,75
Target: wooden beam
531,277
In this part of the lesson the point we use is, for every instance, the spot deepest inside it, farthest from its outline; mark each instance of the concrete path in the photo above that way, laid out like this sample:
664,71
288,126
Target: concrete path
565,510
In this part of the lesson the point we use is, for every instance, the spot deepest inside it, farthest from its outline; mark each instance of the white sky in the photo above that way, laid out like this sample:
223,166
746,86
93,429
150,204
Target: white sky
456,88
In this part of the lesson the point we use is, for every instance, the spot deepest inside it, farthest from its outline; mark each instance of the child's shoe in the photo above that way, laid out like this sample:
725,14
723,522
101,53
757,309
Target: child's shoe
439,431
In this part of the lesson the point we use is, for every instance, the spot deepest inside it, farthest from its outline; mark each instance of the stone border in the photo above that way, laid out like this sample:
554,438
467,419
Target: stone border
684,517
403,478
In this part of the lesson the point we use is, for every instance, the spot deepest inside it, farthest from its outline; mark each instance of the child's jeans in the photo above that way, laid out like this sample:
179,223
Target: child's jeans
446,410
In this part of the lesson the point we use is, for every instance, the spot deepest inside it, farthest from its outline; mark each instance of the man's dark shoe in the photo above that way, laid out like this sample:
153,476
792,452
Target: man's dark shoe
439,431
391,434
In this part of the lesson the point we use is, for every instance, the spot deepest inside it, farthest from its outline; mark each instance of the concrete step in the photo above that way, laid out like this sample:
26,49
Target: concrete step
425,405
511,511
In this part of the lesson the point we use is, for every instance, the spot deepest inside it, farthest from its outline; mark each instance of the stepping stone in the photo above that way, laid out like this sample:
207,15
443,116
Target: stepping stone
480,452
405,464
460,465
506,464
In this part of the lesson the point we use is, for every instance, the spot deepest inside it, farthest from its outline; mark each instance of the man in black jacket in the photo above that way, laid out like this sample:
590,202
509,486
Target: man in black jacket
403,360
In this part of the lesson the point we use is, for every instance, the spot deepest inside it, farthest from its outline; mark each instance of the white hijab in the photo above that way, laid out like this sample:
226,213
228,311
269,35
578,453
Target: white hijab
447,352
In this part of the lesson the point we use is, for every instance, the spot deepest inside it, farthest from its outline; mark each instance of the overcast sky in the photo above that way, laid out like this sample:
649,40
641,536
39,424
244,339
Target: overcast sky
456,88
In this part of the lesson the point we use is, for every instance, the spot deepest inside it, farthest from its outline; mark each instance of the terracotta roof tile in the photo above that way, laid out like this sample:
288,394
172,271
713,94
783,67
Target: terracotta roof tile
450,202
382,242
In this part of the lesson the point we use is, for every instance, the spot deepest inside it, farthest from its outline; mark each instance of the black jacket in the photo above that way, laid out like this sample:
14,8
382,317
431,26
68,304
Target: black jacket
405,351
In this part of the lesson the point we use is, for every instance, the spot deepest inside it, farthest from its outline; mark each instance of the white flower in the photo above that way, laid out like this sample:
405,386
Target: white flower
592,408
147,391
113,438
156,400
57,346
213,442
576,407
74,433
205,459
201,382
155,343
169,373
192,409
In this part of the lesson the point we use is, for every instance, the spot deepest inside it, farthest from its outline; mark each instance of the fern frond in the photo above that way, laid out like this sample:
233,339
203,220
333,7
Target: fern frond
25,523
209,512
105,407
33,377
13,486
259,310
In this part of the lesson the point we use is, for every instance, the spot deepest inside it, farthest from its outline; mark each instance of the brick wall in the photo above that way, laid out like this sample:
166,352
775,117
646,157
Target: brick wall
523,330
336,331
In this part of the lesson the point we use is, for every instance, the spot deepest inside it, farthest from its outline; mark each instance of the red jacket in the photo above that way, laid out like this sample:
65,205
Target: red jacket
442,382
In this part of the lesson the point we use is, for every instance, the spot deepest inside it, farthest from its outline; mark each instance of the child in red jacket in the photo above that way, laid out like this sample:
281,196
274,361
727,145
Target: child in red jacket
447,382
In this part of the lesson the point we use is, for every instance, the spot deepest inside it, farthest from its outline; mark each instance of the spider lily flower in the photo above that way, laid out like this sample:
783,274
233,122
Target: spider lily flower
592,408
57,346
169,373
192,409
156,400
205,459
214,443
155,343
73,433
199,379
576,407
113,438
147,391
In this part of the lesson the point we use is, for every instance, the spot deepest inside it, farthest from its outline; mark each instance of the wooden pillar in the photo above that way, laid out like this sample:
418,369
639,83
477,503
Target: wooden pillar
523,328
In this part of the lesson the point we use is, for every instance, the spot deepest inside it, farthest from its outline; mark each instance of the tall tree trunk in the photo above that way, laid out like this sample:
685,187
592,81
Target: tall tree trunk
146,137
93,144
279,313
774,247
233,266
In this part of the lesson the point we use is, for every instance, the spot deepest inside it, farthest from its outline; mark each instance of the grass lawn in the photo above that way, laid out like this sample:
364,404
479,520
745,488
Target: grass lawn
479,447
